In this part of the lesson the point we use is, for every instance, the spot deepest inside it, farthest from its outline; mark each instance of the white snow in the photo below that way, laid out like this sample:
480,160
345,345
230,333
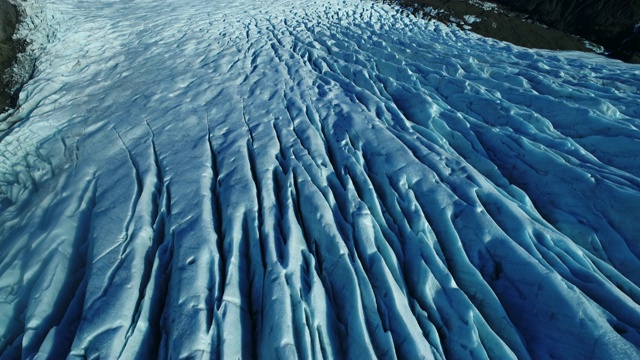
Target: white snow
485,5
470,19
330,179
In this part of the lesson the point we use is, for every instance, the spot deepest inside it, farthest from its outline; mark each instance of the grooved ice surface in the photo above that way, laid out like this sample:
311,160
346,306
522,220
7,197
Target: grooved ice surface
331,179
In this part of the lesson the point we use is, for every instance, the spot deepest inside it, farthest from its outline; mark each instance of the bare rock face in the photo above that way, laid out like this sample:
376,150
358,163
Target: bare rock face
630,47
611,23
497,22
8,20
8,17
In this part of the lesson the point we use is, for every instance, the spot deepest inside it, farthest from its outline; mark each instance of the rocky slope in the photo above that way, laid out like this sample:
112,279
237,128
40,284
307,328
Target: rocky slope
611,23
8,20
555,25
495,21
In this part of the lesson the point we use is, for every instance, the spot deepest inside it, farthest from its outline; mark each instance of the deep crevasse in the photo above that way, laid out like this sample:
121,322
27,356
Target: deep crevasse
320,180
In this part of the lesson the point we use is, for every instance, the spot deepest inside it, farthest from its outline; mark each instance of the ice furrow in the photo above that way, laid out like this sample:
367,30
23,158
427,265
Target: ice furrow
570,176
216,288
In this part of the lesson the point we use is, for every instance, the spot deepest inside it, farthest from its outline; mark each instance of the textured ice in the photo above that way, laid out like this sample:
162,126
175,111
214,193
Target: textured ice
330,179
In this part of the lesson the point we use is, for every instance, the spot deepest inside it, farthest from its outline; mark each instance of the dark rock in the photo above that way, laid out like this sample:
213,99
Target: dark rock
610,23
499,23
8,21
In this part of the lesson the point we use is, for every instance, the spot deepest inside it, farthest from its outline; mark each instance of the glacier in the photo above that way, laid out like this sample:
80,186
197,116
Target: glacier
319,179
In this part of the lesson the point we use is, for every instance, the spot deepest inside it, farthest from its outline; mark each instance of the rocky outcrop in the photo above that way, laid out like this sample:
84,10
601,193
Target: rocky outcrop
8,21
8,18
612,27
496,21
611,23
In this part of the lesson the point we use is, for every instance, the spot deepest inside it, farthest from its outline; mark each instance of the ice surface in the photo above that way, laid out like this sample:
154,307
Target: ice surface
330,179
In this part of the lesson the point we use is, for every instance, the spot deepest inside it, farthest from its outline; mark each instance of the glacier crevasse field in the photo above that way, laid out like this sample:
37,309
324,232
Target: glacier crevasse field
322,179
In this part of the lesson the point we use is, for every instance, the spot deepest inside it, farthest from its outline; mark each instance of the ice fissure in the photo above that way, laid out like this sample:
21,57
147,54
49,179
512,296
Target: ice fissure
331,179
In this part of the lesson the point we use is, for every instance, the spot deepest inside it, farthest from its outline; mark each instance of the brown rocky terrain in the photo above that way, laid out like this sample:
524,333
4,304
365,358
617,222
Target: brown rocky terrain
611,26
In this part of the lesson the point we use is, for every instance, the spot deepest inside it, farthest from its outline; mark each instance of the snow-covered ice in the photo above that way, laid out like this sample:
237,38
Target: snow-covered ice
485,5
329,179
470,19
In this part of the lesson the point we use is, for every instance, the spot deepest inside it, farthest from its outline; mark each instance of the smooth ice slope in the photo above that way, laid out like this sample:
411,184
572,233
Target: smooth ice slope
331,179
